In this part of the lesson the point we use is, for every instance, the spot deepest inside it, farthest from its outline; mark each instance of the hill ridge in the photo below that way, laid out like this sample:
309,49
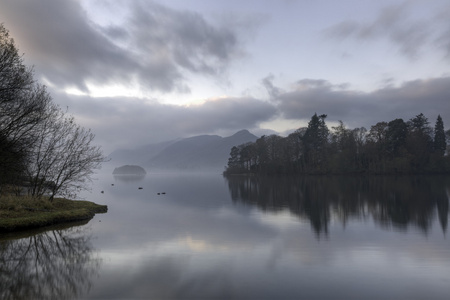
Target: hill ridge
195,153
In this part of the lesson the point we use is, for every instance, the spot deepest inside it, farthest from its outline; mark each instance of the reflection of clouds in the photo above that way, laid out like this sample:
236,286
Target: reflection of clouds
283,269
197,245
279,220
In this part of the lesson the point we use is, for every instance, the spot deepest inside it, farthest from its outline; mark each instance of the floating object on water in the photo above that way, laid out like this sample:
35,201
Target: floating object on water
163,193
112,184
140,187
102,192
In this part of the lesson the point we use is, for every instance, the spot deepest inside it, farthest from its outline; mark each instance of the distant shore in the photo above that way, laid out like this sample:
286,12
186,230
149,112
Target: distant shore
21,213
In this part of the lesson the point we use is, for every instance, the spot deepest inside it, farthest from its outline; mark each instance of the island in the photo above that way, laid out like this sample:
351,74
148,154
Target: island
129,170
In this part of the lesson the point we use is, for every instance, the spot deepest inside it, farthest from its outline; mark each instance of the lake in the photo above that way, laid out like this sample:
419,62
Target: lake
209,237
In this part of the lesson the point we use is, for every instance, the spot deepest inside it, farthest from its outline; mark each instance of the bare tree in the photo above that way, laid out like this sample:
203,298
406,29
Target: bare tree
23,103
64,157
37,139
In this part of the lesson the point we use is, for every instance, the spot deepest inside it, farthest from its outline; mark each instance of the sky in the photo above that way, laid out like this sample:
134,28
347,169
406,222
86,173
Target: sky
139,72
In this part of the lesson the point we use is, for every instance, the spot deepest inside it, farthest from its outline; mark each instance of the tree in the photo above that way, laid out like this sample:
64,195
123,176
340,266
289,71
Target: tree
22,100
15,77
420,142
420,124
234,165
396,136
247,156
375,147
345,148
39,145
262,154
394,147
12,163
315,142
295,148
64,157
23,103
440,143
377,133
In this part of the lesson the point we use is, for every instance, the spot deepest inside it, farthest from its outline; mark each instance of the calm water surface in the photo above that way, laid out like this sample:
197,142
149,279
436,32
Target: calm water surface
210,237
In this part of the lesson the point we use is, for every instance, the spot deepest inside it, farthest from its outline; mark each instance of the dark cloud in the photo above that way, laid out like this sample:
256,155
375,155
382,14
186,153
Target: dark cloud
62,44
393,23
357,109
155,46
119,122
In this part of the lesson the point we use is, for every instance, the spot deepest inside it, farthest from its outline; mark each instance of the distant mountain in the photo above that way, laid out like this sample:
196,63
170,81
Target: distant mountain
139,154
198,153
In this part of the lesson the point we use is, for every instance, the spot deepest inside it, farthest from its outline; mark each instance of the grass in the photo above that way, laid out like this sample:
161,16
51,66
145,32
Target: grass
21,212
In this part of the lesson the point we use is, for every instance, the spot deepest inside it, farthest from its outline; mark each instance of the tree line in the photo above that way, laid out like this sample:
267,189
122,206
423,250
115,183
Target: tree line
395,147
42,149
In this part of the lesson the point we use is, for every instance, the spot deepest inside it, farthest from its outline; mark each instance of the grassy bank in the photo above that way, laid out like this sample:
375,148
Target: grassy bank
19,213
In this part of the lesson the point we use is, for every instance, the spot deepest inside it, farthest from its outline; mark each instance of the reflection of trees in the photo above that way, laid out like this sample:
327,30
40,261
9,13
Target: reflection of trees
391,201
56,264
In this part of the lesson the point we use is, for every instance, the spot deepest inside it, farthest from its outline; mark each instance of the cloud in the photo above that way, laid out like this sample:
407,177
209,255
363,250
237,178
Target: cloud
273,91
155,46
442,40
119,122
394,23
123,122
357,109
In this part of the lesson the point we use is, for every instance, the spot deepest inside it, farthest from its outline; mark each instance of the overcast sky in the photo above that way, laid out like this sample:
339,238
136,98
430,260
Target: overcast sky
139,72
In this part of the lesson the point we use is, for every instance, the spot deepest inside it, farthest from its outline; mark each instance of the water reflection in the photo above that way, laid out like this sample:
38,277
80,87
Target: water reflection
55,264
194,242
392,202
129,178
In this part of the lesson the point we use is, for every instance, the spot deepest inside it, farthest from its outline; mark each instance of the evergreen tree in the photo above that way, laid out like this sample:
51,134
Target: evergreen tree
315,142
419,143
440,143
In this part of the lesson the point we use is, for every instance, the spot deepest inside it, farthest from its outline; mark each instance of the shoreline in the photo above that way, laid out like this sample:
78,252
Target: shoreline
19,213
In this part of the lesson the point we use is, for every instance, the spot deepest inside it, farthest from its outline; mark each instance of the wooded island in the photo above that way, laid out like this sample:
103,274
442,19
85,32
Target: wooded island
395,147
